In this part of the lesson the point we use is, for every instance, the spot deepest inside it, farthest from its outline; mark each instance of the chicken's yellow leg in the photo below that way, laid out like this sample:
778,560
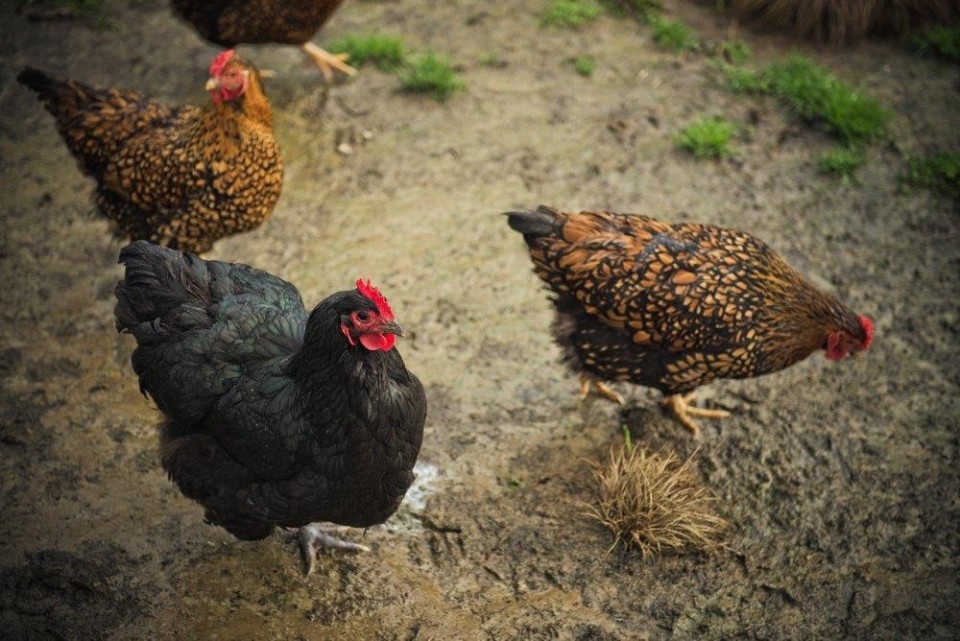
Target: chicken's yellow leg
679,406
587,381
328,61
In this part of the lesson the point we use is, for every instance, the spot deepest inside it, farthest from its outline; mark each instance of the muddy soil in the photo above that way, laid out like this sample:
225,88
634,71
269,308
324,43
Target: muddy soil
841,481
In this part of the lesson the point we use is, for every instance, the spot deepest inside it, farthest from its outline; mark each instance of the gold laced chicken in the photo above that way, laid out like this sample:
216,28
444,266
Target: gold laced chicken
183,176
675,306
229,23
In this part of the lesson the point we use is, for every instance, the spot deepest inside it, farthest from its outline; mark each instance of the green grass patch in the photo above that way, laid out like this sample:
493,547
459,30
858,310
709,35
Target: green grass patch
707,138
939,39
841,162
813,92
733,51
938,172
431,74
816,94
740,80
570,13
673,35
386,52
584,65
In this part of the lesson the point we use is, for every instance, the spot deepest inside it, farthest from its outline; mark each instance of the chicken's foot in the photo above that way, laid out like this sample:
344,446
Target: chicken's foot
679,406
328,61
587,381
312,538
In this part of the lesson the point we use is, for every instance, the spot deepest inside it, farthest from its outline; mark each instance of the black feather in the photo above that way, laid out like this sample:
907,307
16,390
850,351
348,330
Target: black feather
43,83
534,224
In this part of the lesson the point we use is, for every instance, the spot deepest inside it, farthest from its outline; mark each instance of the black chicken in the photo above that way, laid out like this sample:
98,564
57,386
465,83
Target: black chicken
272,417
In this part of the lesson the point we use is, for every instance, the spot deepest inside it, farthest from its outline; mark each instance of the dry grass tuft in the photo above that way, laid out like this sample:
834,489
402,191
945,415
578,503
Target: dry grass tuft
844,21
654,502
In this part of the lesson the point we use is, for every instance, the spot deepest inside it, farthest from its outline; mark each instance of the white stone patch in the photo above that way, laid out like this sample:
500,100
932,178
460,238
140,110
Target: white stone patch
415,501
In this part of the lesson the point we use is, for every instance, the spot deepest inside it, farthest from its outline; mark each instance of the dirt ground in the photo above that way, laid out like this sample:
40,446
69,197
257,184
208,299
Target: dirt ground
841,481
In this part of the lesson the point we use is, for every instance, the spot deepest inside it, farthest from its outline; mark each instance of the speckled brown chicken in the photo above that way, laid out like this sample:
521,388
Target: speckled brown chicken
181,176
677,306
229,23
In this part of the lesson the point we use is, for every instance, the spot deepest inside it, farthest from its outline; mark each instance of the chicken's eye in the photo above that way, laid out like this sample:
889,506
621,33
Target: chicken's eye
363,316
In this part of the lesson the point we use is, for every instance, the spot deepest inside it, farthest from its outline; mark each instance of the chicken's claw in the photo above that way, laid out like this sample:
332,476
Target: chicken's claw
328,61
312,538
679,406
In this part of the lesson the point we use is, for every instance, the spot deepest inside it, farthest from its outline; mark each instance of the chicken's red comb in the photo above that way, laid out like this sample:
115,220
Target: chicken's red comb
867,326
220,61
378,299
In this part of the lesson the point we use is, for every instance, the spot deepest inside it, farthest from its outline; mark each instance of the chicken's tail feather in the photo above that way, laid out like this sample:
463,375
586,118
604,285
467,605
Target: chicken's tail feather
40,81
543,221
59,95
162,287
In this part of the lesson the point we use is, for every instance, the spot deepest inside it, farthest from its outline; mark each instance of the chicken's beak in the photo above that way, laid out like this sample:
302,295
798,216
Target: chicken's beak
391,327
212,84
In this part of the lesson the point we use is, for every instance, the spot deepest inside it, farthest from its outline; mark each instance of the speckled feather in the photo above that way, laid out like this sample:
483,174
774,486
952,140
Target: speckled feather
673,306
271,417
232,22
181,177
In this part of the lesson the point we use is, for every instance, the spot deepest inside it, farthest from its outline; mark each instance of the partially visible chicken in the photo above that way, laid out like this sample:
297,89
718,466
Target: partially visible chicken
677,306
229,23
182,176
272,417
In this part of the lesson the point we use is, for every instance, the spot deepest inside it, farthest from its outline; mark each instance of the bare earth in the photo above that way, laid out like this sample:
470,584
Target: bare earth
841,480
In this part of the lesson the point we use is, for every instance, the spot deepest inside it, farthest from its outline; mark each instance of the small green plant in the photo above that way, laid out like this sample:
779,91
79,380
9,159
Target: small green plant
569,13
584,65
939,172
813,92
385,52
841,162
939,39
707,137
733,51
673,34
432,75
740,80
817,95
653,502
